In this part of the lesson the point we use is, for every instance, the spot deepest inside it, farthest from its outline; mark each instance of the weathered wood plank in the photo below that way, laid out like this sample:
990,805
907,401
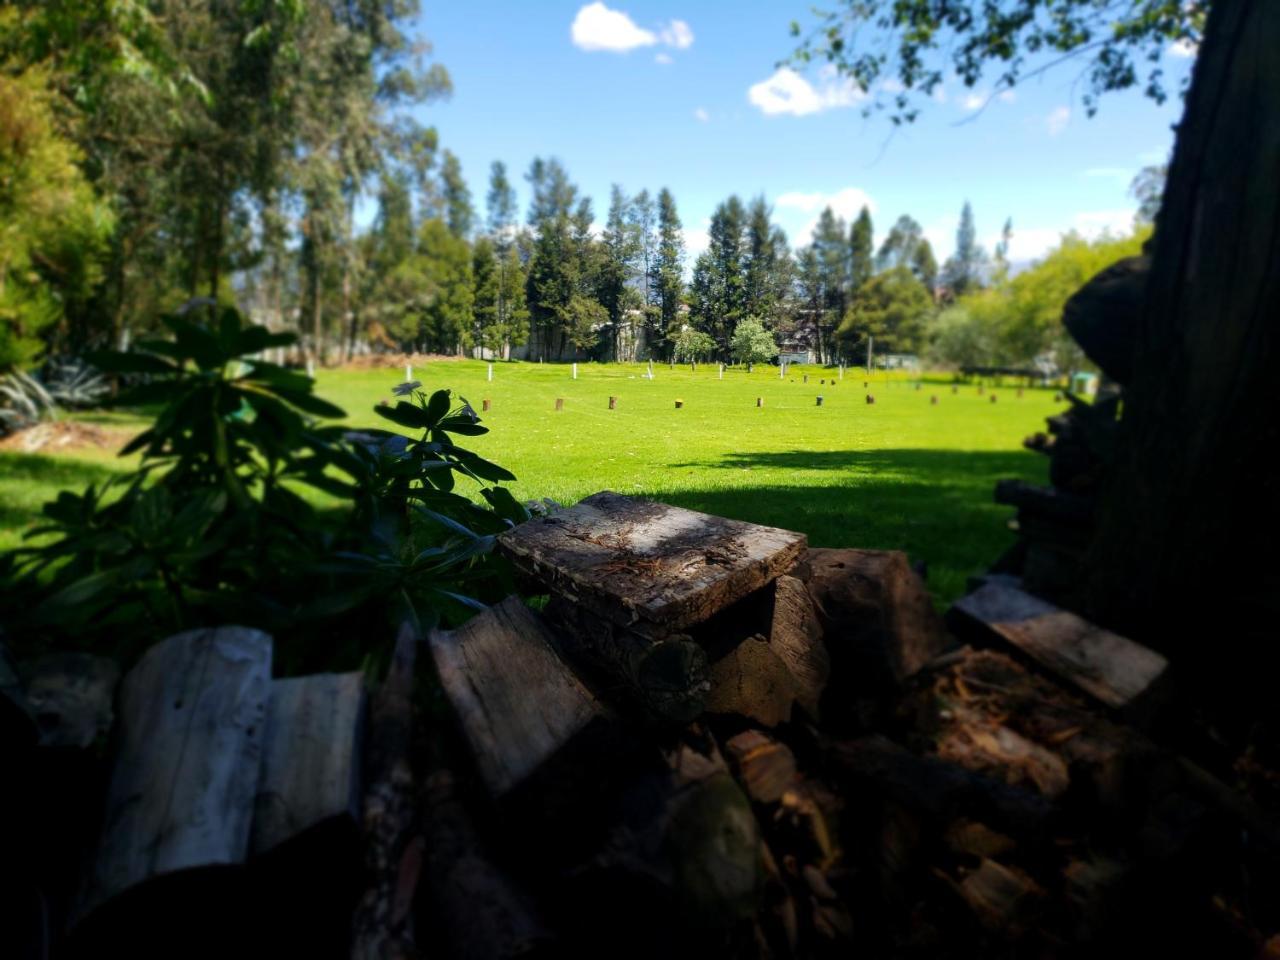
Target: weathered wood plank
752,681
191,725
634,560
310,757
1111,668
796,637
516,700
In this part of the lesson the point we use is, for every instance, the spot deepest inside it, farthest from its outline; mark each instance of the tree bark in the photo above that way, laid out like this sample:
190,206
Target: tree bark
1194,498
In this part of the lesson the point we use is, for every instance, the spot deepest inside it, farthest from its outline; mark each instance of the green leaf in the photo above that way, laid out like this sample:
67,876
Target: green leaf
405,414
197,343
113,361
485,470
437,407
447,522
464,426
310,403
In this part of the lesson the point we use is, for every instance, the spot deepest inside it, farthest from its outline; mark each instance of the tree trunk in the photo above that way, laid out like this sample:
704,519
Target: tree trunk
1194,498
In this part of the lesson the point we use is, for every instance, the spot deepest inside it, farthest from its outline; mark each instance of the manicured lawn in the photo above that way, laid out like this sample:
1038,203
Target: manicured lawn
898,474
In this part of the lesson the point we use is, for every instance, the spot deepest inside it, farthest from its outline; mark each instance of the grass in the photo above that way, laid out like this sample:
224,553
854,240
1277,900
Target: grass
899,474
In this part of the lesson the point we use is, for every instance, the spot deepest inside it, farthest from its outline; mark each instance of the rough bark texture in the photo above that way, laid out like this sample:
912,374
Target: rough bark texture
1195,497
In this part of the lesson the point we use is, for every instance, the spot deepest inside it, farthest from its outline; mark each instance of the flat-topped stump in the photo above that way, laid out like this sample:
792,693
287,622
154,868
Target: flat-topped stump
643,564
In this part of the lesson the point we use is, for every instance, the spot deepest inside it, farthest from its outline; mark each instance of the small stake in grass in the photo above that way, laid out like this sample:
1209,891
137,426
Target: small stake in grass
759,401
722,371
806,378
311,368
1057,398
865,384
933,400
491,373
993,398
870,398
484,405
679,404
559,403
613,403
819,403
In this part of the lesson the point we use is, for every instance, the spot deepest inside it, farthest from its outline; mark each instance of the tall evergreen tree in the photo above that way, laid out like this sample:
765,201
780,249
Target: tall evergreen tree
861,245
553,272
455,196
925,266
965,269
767,275
718,294
900,245
832,250
500,203
667,269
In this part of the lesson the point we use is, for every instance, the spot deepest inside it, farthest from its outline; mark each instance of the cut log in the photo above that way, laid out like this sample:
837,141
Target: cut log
516,700
665,677
766,768
478,909
181,794
1110,668
878,619
752,681
1102,316
1003,899
70,696
634,560
382,925
938,790
311,757
796,637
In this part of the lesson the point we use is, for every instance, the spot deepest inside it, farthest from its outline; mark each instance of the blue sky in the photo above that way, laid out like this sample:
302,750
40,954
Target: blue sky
685,94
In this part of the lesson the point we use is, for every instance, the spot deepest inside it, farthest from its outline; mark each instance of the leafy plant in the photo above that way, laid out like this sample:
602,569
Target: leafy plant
225,520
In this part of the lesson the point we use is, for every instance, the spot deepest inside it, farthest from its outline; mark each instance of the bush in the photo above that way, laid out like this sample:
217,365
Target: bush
213,526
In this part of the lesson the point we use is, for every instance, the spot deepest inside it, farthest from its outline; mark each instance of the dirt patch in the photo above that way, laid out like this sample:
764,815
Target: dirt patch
391,361
64,435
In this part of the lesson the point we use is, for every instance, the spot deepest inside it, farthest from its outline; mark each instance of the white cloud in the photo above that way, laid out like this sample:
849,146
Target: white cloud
975,100
1057,120
678,34
596,27
701,115
696,241
844,203
663,58
1186,49
788,92
1007,96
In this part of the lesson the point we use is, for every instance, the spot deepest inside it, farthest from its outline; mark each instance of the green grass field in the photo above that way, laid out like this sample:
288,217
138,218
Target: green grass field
898,474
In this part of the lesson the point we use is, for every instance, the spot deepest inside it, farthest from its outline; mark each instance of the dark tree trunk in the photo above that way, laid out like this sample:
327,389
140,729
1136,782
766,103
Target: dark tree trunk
1194,504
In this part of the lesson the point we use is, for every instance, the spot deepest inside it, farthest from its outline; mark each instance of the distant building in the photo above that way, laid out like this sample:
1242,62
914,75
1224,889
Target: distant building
796,351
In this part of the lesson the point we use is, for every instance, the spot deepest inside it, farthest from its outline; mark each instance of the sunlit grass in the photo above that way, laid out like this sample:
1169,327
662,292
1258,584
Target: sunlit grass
899,474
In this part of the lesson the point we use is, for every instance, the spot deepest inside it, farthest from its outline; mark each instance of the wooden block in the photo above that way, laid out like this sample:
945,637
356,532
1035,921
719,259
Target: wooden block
71,697
759,401
766,768
484,404
613,403
679,404
870,398
1111,668
796,637
819,403
878,619
633,560
1003,899
752,681
559,403
516,700
310,757
191,727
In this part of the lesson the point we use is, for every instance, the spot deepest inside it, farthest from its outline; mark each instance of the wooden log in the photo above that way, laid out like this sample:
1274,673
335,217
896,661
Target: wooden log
1003,899
665,676
752,681
759,401
181,794
484,404
632,560
559,403
1102,316
382,924
613,403
516,700
477,910
870,398
311,770
679,404
934,788
71,697
877,617
765,767
796,636
1110,668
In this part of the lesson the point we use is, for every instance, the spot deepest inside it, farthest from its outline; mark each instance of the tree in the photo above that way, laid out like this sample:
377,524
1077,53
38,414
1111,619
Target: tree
618,270
718,291
832,251
767,275
500,203
925,266
861,244
513,314
1001,270
752,343
455,195
892,307
900,246
668,266
966,268
486,285
962,337
690,345
554,267
54,232
917,42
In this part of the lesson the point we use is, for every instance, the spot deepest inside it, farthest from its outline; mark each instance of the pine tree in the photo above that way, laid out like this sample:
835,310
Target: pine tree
767,275
719,287
925,266
861,245
900,245
965,269
832,251
501,205
668,268
455,197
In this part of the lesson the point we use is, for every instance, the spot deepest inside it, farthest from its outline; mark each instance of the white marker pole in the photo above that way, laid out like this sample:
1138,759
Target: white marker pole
491,373
722,371
311,368
575,371
408,373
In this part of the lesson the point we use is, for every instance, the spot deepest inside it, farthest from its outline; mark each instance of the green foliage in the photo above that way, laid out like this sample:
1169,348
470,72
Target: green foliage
893,307
752,343
915,43
1148,189
212,526
691,345
966,269
1018,321
54,230
668,265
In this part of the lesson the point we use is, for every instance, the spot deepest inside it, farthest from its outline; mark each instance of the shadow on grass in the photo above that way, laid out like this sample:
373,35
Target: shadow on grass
936,505
28,480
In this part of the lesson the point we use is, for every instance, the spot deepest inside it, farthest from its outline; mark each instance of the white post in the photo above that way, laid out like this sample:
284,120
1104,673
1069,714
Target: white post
841,371
722,371
870,342
408,373
311,368
575,371
491,373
